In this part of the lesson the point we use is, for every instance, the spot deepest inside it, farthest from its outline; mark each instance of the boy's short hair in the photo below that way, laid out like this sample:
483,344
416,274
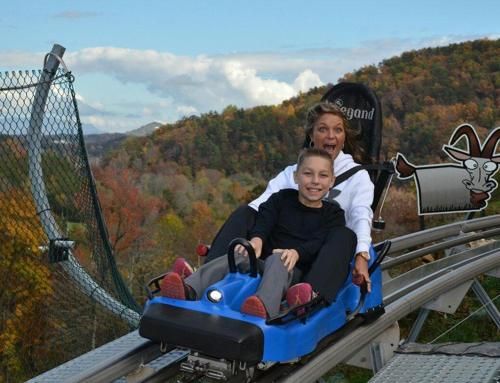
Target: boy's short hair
313,152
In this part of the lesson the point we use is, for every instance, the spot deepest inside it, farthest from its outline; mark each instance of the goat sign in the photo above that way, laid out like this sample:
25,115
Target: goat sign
461,187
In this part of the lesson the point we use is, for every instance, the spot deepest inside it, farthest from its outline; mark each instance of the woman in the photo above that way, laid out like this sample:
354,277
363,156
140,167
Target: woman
328,129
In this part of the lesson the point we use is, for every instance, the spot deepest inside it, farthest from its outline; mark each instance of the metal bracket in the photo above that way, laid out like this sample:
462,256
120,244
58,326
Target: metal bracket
377,353
449,301
59,249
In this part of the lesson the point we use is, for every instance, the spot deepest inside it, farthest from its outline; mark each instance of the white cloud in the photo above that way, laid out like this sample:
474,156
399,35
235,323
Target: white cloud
20,60
256,89
107,124
306,80
186,110
97,106
206,83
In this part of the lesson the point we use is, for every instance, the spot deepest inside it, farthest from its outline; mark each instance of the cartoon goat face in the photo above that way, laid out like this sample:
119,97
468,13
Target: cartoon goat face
480,162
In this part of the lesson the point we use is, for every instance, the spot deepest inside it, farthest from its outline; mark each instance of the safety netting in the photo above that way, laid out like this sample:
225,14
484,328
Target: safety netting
60,292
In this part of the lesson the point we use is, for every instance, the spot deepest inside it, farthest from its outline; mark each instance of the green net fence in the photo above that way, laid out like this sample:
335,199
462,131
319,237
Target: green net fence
60,292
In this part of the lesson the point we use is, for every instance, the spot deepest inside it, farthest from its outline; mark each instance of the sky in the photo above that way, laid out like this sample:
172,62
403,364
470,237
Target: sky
136,62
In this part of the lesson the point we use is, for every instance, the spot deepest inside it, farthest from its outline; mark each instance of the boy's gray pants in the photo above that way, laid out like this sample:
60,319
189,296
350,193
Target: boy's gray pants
275,278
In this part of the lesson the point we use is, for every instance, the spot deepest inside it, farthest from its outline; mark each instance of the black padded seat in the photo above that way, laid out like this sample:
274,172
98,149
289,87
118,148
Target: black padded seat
210,334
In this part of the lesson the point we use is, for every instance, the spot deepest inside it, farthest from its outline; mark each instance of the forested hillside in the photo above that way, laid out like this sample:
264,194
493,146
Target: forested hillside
425,94
164,193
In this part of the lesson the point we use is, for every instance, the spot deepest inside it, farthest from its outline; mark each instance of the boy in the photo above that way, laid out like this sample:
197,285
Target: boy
290,228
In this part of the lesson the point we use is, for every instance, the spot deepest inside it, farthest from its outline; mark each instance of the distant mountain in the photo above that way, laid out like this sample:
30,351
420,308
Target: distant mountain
145,130
99,144
90,129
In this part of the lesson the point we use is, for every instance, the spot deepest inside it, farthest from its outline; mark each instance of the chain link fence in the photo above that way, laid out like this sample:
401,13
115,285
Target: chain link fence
60,292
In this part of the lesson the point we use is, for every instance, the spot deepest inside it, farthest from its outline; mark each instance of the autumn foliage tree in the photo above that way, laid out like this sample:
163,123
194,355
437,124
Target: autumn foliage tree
25,287
129,216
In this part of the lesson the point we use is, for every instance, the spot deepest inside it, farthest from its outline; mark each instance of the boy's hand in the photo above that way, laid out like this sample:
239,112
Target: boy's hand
289,257
256,243
360,273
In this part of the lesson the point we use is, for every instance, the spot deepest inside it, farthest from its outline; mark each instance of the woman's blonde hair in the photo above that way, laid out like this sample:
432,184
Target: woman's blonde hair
316,111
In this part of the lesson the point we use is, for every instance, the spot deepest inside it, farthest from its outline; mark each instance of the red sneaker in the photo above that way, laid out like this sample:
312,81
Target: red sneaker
254,306
172,286
299,294
182,267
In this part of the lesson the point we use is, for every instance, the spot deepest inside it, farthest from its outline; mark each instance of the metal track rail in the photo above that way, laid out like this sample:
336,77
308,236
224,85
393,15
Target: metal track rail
438,233
460,239
349,345
104,364
405,283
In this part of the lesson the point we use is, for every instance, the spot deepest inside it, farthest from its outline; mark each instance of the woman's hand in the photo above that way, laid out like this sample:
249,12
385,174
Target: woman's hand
360,273
289,257
256,243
